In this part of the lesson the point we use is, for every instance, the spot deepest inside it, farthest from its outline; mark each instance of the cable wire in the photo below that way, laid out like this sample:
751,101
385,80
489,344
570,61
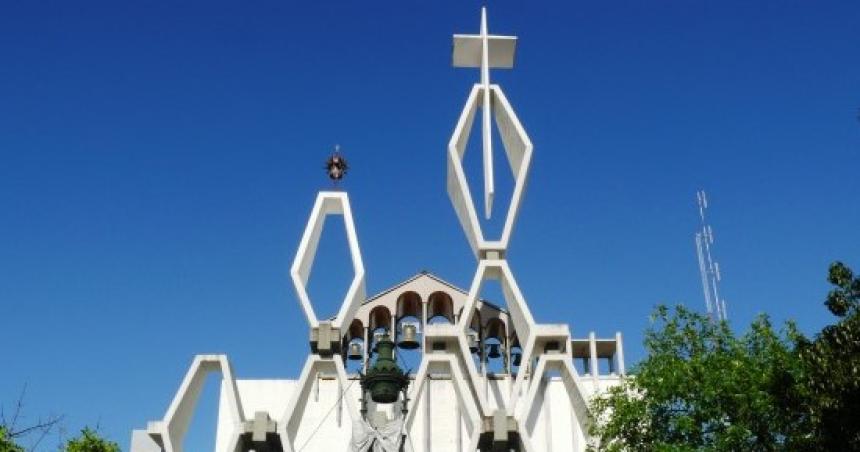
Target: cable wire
326,416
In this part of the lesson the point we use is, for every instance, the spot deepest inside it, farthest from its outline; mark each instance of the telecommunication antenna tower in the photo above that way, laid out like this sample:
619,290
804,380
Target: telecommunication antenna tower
709,269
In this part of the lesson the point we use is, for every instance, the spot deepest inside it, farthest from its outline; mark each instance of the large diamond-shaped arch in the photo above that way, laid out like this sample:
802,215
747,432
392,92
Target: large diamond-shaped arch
461,388
518,148
520,315
328,203
577,396
169,433
288,424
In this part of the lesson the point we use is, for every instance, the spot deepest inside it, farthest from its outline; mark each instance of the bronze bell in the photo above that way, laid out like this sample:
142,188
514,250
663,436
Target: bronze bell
473,342
516,357
408,336
354,352
494,351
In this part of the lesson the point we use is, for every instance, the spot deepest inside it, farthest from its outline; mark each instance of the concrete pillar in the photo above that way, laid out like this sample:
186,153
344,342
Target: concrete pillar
547,402
428,413
339,404
619,354
423,326
459,417
592,348
366,350
482,352
508,367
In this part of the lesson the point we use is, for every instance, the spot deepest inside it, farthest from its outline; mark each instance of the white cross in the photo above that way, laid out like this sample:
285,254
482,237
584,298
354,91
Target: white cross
485,51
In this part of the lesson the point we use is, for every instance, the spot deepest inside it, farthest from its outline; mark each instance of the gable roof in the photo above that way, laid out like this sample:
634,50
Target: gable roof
409,280
432,276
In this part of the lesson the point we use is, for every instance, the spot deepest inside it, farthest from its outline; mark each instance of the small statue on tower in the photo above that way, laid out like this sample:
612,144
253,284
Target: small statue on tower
336,166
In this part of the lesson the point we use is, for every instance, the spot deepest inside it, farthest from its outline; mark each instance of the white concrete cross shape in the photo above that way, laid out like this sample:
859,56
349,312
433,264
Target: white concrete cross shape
475,51
486,51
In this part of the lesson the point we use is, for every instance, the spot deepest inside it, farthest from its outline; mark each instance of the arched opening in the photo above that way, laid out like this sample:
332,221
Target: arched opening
409,328
475,338
409,305
495,345
353,347
496,329
516,354
380,324
440,307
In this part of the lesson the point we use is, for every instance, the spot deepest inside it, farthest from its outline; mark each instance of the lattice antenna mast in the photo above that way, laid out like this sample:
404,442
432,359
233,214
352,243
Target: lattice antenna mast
709,269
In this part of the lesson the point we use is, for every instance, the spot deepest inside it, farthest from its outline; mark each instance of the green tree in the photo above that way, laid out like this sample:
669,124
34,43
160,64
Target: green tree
6,442
826,402
700,388
703,388
90,441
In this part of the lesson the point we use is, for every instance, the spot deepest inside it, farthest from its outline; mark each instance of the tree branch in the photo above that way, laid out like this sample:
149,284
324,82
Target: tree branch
45,426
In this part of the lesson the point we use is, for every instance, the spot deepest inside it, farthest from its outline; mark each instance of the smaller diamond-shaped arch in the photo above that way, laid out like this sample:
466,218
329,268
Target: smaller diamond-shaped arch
170,432
542,335
288,425
328,203
575,393
464,394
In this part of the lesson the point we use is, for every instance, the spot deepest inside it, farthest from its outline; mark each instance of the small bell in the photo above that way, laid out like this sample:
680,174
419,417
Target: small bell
494,351
473,342
354,352
516,357
408,336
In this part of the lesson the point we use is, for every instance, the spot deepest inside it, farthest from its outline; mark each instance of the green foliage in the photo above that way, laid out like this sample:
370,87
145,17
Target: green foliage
701,388
90,441
829,410
6,443
704,388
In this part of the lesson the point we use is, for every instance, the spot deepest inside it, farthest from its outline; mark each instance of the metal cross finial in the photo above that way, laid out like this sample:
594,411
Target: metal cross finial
485,51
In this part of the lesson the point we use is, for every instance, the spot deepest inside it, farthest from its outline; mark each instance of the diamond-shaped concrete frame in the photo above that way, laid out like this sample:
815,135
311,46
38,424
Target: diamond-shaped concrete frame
288,424
464,395
541,334
518,148
521,317
328,203
578,399
170,432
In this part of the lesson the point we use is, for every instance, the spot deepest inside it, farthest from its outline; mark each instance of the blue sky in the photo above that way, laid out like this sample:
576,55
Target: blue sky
159,162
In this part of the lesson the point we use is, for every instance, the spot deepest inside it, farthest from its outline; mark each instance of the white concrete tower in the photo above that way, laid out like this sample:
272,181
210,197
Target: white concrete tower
536,400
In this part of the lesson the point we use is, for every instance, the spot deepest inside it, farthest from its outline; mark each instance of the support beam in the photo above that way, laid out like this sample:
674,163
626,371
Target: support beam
595,368
619,354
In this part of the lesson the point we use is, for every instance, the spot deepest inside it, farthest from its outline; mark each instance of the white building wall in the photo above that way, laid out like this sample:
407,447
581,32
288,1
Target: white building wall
439,427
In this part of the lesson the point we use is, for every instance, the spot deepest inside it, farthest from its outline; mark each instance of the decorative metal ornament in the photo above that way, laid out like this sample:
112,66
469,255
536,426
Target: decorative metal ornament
385,380
336,166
